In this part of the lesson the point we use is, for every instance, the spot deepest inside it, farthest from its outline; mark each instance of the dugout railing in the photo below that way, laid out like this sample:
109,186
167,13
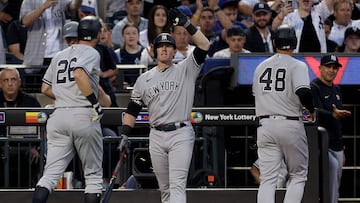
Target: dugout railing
208,116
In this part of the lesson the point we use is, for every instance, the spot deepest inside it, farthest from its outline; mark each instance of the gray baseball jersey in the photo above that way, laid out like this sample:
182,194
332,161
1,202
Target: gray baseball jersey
60,72
274,85
70,128
279,138
169,95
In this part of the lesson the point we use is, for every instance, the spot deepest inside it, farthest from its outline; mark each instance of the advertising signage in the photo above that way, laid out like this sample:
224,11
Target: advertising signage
349,73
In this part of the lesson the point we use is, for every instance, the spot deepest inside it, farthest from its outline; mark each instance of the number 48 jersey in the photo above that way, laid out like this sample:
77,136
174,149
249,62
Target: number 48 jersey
60,74
274,85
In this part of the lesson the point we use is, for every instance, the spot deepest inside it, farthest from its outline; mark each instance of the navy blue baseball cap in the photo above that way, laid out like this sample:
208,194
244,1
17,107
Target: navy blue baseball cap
227,3
235,30
185,10
352,31
330,59
264,7
87,9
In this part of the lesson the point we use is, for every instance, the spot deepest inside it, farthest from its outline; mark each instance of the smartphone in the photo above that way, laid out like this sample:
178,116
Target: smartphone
290,2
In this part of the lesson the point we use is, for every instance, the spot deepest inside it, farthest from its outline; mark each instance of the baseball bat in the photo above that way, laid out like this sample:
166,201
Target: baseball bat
107,194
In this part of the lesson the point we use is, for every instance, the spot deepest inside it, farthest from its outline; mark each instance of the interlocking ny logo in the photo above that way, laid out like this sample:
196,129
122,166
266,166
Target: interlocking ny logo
164,37
333,57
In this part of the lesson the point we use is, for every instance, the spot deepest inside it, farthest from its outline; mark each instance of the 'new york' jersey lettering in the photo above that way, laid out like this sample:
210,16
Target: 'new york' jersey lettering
168,94
161,86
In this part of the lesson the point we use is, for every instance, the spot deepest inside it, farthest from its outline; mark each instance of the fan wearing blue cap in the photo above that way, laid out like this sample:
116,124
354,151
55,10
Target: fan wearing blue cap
226,12
230,11
235,38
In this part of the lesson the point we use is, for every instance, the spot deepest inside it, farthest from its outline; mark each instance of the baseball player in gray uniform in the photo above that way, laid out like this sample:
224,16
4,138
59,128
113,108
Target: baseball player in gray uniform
167,90
281,87
72,81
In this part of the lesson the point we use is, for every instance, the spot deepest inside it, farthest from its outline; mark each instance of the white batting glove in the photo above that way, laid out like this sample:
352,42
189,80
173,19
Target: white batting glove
98,112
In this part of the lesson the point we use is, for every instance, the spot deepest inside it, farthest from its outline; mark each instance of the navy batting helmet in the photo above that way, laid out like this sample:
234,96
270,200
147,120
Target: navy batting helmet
163,38
89,28
285,37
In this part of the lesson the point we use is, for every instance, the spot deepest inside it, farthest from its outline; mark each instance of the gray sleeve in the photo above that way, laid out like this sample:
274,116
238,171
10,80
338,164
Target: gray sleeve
49,74
136,92
192,68
300,75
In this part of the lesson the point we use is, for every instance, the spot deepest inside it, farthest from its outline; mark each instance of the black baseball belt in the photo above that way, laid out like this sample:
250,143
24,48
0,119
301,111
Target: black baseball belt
170,126
280,117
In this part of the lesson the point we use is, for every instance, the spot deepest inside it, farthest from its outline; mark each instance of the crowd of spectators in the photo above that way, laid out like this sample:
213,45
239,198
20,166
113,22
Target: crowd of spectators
32,31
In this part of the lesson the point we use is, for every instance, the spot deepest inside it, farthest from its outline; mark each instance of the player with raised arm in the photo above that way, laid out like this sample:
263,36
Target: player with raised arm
167,90
281,87
72,80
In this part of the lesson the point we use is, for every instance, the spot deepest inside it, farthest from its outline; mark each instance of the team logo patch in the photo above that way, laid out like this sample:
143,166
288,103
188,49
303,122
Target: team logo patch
35,117
2,117
196,117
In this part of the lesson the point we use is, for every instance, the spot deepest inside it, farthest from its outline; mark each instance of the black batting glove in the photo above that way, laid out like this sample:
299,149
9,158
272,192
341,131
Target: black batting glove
98,112
178,18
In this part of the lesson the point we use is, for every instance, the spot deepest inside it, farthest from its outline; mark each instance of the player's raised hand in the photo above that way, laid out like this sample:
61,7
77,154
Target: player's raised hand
98,112
178,18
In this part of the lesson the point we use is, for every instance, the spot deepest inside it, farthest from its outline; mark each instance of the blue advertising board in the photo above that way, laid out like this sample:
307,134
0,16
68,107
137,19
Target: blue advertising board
349,74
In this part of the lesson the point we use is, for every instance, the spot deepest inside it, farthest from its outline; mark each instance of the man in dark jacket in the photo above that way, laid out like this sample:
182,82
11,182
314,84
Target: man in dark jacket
258,36
328,101
12,96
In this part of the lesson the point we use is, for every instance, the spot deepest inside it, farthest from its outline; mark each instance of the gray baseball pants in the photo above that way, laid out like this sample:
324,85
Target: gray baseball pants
171,154
282,139
70,130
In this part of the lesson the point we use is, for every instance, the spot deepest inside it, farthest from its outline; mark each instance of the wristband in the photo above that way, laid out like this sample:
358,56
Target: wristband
191,29
216,10
92,98
125,130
